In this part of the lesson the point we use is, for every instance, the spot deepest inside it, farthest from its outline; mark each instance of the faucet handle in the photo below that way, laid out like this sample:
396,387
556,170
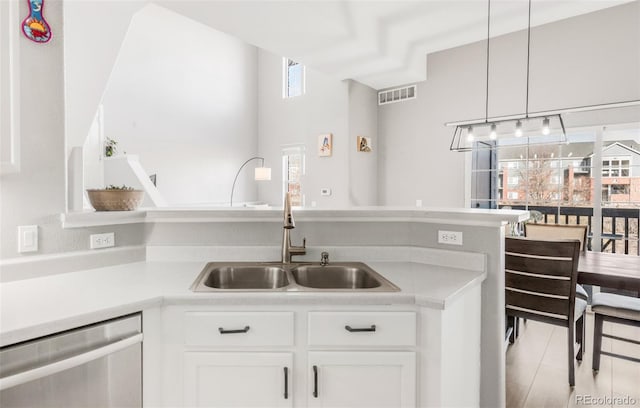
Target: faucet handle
324,258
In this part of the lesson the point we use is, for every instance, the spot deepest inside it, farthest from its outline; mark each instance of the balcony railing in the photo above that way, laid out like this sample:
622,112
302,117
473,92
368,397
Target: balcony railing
620,226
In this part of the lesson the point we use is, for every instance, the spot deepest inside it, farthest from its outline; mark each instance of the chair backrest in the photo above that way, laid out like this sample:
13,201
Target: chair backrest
557,231
540,279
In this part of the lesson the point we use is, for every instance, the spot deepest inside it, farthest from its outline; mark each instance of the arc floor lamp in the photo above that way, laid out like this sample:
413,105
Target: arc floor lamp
260,174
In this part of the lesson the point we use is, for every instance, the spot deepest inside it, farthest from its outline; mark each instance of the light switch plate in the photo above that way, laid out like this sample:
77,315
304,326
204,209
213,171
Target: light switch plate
105,240
27,238
325,191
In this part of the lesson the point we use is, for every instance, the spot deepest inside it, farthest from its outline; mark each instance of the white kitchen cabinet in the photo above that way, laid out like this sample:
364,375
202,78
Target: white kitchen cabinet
238,329
362,329
365,355
353,379
237,379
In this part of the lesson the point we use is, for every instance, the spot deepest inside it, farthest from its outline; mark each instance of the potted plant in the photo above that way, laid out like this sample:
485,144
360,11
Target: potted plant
110,147
114,198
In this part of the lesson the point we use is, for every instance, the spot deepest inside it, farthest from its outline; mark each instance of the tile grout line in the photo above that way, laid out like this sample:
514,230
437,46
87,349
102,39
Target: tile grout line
526,398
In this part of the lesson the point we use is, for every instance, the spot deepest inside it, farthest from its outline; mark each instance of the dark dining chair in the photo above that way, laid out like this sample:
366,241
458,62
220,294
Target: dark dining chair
564,231
560,231
609,307
540,284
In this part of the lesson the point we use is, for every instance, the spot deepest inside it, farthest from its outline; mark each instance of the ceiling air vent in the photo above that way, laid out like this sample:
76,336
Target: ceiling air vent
397,94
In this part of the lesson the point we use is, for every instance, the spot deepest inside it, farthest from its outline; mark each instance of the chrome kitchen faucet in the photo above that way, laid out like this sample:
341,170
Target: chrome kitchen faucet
289,250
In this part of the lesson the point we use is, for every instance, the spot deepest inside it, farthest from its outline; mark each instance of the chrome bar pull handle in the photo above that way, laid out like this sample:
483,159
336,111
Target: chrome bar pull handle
71,362
365,329
315,381
223,331
286,383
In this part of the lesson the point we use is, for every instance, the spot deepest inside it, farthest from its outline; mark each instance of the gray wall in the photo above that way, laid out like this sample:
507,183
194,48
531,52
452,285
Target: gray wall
585,60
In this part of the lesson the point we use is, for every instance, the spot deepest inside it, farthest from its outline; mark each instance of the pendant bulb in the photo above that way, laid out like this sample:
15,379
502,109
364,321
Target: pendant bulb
545,127
493,135
470,136
519,129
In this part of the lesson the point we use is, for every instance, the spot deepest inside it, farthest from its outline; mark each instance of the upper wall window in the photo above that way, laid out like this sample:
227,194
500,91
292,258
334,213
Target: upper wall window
293,78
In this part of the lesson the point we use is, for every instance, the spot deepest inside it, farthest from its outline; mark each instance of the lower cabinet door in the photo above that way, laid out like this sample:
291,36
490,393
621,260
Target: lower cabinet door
230,379
362,379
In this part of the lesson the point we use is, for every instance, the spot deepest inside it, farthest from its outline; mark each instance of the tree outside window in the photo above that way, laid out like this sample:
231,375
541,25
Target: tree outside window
293,171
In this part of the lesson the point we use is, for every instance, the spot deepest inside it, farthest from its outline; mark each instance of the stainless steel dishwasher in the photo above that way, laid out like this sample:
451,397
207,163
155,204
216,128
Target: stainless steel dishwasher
93,366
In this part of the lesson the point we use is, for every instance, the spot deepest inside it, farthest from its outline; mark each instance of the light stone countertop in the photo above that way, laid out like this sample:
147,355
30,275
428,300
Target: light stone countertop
36,307
455,216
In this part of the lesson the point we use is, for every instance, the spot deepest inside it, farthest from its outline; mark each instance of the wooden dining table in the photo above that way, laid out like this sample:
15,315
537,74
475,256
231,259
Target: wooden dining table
616,271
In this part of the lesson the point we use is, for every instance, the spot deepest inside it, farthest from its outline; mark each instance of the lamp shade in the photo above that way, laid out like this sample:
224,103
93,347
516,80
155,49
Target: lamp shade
262,173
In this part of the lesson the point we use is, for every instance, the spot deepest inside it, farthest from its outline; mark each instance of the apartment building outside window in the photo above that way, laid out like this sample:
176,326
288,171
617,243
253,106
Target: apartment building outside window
562,182
615,167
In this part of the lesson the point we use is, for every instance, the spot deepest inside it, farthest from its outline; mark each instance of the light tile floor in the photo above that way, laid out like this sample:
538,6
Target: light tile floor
537,369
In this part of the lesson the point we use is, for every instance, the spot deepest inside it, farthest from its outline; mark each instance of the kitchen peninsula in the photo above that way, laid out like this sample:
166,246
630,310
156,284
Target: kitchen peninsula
442,287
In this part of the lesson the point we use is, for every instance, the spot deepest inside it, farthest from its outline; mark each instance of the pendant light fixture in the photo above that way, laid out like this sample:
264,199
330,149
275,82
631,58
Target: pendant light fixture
469,133
518,131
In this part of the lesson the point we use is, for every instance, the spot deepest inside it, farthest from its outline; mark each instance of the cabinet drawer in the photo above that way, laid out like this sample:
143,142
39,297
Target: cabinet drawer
239,328
362,328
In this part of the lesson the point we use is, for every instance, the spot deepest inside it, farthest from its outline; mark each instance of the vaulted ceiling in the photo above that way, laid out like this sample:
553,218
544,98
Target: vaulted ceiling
379,43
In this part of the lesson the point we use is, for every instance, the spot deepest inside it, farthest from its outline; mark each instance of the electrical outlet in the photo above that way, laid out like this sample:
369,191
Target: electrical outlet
27,238
102,240
450,237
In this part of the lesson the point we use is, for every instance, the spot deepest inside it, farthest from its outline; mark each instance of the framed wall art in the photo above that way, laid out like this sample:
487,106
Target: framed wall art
363,144
325,145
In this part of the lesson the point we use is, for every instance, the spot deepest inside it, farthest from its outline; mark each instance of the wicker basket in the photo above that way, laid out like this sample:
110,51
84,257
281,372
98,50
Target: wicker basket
115,200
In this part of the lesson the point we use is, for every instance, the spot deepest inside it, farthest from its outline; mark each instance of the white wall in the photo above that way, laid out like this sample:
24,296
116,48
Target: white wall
344,108
183,97
363,166
93,153
589,59
36,195
38,190
412,144
300,120
93,33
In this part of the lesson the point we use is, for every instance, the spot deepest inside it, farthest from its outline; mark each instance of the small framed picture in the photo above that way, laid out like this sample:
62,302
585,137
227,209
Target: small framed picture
364,144
325,145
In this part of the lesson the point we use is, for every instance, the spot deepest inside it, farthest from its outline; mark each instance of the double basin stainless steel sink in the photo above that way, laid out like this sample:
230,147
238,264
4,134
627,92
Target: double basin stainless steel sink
303,276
